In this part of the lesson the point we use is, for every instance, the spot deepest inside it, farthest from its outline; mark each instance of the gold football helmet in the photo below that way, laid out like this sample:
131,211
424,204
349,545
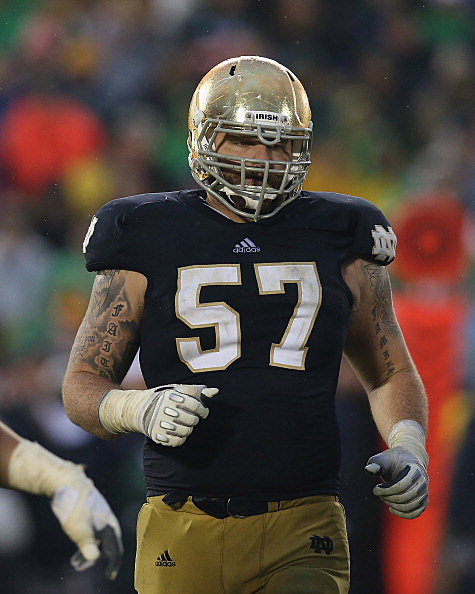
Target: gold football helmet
258,98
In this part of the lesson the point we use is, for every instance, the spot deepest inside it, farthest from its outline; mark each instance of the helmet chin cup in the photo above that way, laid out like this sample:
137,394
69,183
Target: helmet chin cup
256,98
252,203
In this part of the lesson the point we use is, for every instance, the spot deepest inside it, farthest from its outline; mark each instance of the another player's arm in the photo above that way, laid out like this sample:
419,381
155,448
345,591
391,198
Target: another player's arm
84,514
105,345
378,353
8,442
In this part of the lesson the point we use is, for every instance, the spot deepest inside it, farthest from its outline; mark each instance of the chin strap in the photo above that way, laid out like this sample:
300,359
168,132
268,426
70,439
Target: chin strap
248,201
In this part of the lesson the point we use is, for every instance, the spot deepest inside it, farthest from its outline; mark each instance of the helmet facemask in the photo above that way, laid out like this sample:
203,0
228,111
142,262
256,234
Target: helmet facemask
250,187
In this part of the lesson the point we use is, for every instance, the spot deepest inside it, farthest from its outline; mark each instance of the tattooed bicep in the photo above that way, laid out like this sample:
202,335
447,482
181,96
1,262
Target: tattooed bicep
108,284
101,288
375,345
380,297
109,335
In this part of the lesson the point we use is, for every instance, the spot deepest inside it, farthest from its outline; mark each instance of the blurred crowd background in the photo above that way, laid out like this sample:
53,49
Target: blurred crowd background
93,105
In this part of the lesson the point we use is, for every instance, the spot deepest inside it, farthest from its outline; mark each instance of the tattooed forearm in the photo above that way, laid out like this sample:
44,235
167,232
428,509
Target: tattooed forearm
108,337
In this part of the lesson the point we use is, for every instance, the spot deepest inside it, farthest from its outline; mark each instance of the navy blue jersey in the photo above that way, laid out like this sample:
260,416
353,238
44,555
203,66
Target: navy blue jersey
258,310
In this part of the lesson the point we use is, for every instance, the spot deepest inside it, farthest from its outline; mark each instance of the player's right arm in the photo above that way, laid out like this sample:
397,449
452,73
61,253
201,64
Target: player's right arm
104,348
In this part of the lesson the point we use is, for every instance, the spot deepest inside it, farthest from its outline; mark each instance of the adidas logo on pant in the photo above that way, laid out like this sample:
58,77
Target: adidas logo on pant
165,560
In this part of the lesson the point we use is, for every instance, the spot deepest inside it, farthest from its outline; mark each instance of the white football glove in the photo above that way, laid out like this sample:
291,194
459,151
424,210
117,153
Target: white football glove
166,414
84,514
403,467
87,519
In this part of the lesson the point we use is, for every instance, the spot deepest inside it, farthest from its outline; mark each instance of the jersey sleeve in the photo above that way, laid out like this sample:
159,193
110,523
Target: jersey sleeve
373,237
111,242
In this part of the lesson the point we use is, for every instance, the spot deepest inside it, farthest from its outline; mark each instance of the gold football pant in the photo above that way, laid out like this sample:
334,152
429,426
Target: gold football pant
298,547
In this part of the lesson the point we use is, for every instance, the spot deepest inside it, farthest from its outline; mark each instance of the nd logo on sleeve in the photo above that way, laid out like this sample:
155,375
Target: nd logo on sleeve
384,248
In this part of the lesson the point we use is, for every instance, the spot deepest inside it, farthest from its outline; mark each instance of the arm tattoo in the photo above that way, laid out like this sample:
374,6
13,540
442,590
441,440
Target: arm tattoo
380,288
108,337
385,324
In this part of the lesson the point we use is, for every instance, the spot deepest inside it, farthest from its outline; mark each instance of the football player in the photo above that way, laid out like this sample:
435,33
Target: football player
242,295
84,514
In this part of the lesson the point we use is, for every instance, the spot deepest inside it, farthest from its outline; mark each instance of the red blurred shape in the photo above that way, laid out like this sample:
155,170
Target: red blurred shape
430,240
41,136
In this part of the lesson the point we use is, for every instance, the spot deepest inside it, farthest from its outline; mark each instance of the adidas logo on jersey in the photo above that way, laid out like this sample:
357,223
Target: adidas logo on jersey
246,245
165,560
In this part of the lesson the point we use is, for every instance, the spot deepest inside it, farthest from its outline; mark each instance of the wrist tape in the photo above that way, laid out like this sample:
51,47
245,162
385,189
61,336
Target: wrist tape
409,435
34,469
120,410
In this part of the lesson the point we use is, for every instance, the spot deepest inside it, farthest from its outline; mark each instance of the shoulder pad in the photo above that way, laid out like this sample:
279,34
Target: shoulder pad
374,238
111,240
370,235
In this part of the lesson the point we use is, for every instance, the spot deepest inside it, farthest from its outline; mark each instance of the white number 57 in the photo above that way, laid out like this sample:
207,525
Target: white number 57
290,352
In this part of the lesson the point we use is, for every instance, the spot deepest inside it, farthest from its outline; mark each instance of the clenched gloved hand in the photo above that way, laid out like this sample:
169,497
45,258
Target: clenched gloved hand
403,468
166,414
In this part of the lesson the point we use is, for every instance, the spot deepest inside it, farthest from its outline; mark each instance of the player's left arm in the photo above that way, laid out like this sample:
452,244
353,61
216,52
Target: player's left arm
377,351
84,514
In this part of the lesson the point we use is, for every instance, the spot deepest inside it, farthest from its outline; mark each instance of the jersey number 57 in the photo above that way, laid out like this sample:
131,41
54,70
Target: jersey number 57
290,352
